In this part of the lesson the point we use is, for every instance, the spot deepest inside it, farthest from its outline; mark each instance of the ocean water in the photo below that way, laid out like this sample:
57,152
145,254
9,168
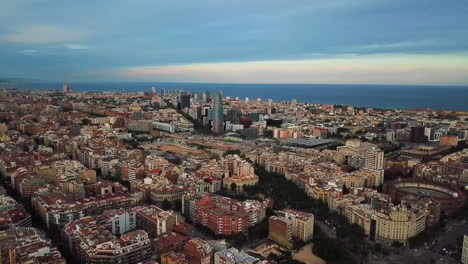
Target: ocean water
379,96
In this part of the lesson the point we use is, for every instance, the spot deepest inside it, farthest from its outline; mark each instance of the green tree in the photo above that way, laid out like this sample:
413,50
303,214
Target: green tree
214,156
232,152
268,134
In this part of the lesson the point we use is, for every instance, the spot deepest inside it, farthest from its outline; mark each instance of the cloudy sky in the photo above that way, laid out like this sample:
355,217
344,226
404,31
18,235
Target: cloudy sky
242,41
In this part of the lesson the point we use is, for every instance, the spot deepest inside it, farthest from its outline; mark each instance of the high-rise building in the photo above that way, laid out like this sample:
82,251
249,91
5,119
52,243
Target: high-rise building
293,102
184,101
372,156
234,115
76,129
374,161
218,116
391,136
66,88
269,106
417,135
464,258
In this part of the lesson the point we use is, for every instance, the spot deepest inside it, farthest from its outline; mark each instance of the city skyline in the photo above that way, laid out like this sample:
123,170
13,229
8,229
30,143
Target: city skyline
356,42
171,176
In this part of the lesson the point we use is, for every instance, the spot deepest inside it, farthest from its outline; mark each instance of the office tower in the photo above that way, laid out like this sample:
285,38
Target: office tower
153,90
269,106
391,136
196,97
417,135
206,96
218,116
76,129
184,101
234,115
66,88
163,92
464,258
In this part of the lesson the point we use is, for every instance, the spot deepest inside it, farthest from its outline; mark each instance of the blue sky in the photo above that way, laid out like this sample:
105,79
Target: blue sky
243,41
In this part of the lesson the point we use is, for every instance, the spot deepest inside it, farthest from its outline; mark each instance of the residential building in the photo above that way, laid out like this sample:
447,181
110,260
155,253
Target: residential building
234,256
198,250
27,245
91,243
280,231
154,220
302,224
464,258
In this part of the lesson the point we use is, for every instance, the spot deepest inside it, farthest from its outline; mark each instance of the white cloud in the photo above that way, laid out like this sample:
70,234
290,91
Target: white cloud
347,69
76,46
43,34
28,52
398,45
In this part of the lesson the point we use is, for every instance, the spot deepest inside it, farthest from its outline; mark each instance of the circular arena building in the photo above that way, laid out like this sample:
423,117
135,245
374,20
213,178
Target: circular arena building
449,197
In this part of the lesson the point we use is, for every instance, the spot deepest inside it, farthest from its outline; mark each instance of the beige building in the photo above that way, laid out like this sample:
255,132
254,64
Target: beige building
373,157
240,182
400,224
392,224
464,258
237,171
280,231
302,223
363,216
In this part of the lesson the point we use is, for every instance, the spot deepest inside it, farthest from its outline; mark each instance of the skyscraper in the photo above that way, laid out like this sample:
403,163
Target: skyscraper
464,259
269,106
218,116
233,115
66,88
184,101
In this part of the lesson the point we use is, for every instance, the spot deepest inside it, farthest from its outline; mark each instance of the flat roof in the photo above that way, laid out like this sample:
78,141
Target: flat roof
312,142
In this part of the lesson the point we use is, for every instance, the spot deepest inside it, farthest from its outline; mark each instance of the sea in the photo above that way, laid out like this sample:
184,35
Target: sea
453,98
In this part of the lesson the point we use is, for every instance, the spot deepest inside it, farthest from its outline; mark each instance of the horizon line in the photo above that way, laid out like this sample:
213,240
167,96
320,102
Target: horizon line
25,80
